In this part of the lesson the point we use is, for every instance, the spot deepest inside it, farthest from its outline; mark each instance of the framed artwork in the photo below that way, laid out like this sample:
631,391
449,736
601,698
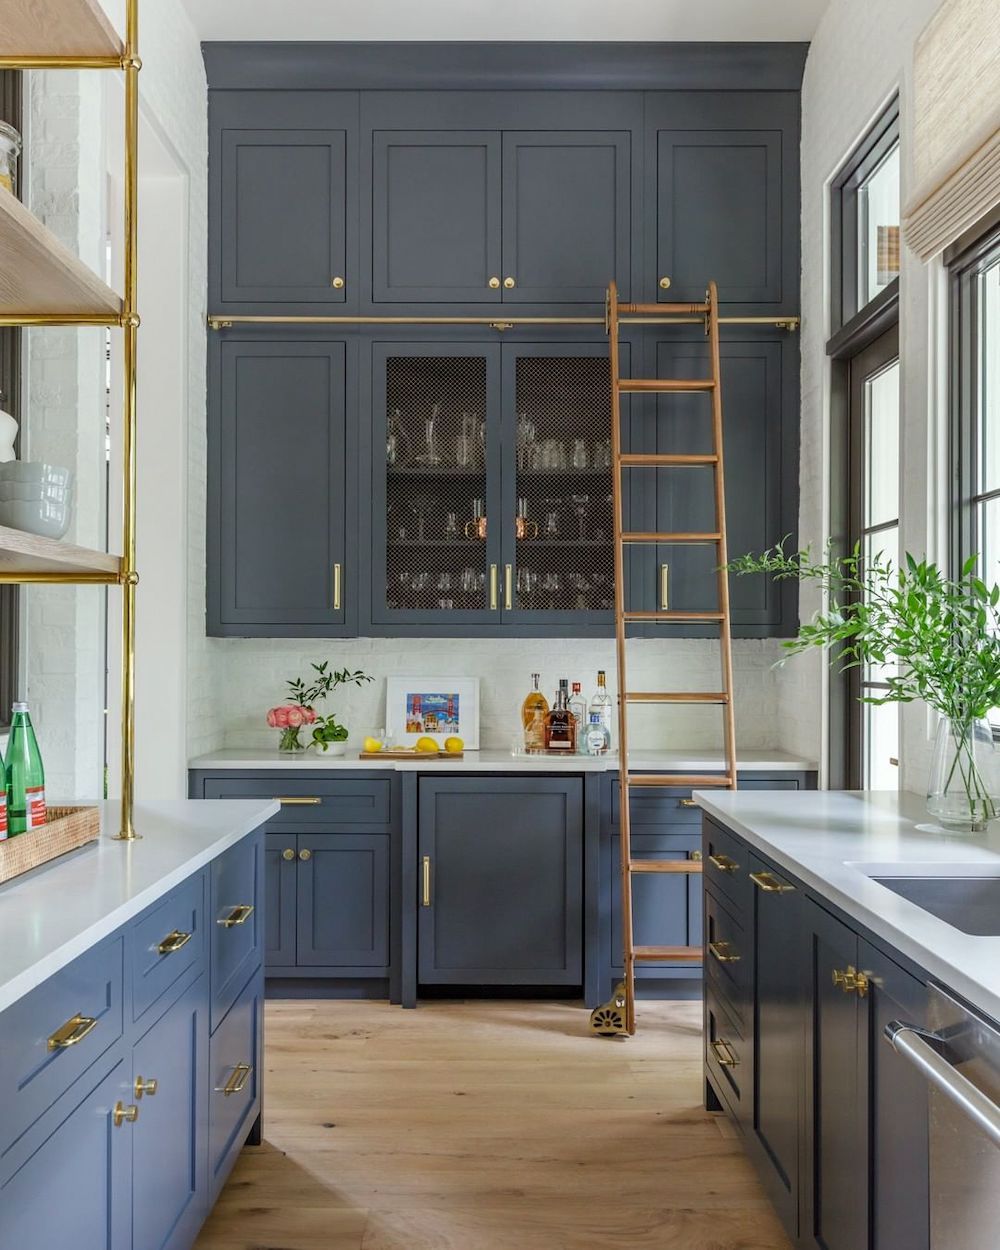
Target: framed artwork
432,707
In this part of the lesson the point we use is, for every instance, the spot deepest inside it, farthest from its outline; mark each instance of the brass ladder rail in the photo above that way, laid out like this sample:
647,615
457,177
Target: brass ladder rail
617,1017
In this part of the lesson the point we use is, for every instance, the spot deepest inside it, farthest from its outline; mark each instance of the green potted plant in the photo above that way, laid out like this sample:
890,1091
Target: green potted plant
326,734
932,638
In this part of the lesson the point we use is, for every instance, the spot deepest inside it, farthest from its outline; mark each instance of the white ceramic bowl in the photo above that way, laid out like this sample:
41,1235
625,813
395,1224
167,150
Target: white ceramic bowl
29,492
36,517
37,472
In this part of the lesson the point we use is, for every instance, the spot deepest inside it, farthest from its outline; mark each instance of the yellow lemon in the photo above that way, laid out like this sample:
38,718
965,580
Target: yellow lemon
426,744
454,745
372,744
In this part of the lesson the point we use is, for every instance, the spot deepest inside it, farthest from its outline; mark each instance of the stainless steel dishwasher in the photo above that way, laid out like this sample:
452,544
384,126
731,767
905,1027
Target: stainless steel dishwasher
960,1057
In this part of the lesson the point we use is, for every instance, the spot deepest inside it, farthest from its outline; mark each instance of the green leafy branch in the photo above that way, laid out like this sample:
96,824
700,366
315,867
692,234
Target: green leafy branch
323,682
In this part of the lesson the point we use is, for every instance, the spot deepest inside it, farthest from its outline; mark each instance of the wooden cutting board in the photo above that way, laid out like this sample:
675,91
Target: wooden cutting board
410,753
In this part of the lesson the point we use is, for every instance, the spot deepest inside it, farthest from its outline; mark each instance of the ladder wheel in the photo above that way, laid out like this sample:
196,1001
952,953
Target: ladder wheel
608,1020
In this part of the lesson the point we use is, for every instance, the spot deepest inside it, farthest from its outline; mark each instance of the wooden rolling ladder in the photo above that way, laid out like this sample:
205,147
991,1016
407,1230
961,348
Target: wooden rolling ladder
617,1017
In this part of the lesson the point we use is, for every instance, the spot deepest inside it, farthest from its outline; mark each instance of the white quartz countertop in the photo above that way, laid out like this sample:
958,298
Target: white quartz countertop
826,838
492,760
56,912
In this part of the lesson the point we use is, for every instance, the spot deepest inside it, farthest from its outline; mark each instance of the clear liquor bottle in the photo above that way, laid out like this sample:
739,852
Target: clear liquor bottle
578,706
599,720
534,710
25,775
560,727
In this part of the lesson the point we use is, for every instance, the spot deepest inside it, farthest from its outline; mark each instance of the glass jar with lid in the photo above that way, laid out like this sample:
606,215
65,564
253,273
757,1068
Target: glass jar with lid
10,150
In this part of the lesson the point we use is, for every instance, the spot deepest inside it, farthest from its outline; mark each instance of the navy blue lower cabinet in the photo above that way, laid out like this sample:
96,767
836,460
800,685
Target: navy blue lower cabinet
343,896
280,892
500,881
234,1073
169,1137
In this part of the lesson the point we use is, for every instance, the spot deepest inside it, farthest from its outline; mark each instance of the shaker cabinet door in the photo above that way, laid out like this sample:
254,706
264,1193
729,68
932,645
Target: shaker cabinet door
280,860
436,216
277,485
343,902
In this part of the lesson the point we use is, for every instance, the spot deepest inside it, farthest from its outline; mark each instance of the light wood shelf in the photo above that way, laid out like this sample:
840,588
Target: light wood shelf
38,558
38,274
61,28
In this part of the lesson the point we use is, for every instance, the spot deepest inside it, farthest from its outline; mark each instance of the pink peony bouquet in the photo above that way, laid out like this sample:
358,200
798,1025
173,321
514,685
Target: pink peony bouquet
290,718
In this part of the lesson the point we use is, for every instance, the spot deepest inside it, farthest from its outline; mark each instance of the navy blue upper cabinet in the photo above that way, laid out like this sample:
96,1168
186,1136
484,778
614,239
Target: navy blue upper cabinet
722,198
284,200
278,500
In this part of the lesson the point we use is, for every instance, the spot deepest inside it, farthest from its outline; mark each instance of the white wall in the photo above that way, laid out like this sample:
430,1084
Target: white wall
861,53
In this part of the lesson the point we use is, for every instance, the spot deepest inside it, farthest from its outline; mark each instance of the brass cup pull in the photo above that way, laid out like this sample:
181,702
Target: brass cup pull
237,1080
288,854
148,1087
73,1031
724,1053
337,282
298,800
770,884
425,898
305,854
851,981
723,952
723,863
664,283
173,942
239,915
494,283
509,283
124,1115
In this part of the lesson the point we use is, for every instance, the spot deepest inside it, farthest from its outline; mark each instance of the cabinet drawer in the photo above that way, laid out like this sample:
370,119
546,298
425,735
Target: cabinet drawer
234,1081
308,803
668,806
166,942
727,955
52,1035
725,1053
727,869
235,921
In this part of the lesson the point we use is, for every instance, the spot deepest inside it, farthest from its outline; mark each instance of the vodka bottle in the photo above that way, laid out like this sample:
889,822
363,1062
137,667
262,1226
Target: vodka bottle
599,720
578,706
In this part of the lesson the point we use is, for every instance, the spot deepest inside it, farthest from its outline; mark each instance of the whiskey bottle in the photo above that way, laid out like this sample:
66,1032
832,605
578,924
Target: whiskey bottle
560,727
599,720
578,706
534,710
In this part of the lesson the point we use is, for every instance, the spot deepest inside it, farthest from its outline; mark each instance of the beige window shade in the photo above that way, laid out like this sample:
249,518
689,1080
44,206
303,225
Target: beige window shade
956,124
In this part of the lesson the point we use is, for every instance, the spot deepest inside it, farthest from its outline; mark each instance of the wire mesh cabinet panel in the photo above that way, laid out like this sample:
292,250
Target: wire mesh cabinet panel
436,484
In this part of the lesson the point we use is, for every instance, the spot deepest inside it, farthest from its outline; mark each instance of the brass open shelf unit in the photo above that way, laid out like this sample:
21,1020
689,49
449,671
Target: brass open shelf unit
43,284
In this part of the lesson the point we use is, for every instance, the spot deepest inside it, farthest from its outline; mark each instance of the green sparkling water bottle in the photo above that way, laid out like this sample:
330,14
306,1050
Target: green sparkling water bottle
25,775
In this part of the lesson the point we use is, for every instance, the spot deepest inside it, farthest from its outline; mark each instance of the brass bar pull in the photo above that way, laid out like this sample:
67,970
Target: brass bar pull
493,587
688,803
239,915
73,1031
173,942
337,579
426,894
295,800
723,952
145,1087
723,863
664,587
124,1115
770,884
237,1080
724,1053
508,586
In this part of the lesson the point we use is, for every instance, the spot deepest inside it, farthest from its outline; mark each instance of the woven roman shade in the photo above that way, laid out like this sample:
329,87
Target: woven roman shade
956,124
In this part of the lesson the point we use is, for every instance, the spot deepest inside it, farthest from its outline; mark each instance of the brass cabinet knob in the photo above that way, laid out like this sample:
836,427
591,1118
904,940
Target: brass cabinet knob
288,853
509,283
493,283
124,1115
305,853
145,1087
337,283
664,283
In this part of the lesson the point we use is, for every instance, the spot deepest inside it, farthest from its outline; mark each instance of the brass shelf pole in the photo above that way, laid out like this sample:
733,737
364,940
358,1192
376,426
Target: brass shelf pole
130,324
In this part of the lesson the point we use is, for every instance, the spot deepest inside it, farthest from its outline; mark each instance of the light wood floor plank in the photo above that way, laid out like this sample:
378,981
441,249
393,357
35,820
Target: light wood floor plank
487,1126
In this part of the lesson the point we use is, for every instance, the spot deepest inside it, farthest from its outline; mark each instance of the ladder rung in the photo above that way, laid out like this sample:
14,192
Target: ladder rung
653,460
672,614
664,310
676,696
682,386
677,536
687,781
666,954
665,865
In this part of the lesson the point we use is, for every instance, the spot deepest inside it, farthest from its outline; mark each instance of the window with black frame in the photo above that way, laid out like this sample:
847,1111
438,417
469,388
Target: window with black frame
10,402
865,424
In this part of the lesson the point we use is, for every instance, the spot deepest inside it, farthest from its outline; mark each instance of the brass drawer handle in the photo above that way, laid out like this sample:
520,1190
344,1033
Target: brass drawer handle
73,1031
426,893
851,981
148,1087
770,884
239,915
296,800
288,854
723,863
687,802
724,1053
173,942
124,1115
723,952
239,1077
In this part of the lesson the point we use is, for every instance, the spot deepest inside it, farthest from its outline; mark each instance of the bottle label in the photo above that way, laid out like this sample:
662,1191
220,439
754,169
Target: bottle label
3,817
34,807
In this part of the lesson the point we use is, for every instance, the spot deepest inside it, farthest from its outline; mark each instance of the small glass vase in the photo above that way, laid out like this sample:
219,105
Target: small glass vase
963,793
290,742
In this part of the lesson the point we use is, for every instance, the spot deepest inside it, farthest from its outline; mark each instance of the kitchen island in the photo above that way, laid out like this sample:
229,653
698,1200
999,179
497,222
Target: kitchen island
130,1029
814,950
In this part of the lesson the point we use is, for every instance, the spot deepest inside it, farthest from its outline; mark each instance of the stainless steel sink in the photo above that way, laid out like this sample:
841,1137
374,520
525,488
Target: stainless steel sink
971,903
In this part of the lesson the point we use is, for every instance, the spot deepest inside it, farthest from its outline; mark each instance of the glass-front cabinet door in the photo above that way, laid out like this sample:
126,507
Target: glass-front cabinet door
436,484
